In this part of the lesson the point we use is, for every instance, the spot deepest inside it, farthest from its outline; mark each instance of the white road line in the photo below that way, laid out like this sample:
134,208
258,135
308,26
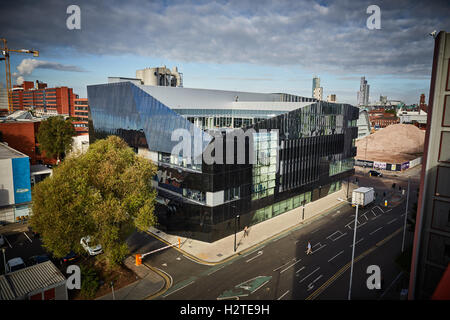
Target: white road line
322,246
375,230
309,275
7,242
164,296
374,218
357,242
317,244
336,255
283,295
315,231
311,285
281,266
290,266
392,221
28,237
216,270
299,269
257,255
387,211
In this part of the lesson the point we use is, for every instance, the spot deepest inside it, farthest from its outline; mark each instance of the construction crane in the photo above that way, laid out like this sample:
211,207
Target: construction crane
5,52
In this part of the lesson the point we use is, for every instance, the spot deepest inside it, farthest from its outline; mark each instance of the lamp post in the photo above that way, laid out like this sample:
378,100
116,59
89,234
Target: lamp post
303,214
236,217
353,250
406,218
4,259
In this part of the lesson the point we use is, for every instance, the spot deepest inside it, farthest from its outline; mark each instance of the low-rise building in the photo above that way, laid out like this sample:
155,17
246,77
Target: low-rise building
42,281
15,184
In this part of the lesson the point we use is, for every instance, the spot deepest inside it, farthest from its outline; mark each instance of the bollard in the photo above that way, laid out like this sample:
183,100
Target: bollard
385,203
138,260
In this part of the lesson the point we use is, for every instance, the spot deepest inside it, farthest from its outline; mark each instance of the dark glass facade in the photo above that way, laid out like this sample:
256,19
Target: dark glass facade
299,156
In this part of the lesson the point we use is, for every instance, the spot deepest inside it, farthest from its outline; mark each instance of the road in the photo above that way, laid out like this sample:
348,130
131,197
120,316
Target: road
280,269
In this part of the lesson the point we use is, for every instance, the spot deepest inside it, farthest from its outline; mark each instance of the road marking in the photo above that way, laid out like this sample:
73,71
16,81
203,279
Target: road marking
392,221
283,295
340,236
309,275
311,285
281,266
257,255
347,266
164,296
290,266
7,242
28,237
299,269
357,242
375,217
221,267
315,231
376,230
387,211
336,255
321,246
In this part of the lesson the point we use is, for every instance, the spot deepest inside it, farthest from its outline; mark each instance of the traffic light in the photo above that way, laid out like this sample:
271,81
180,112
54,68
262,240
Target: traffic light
138,259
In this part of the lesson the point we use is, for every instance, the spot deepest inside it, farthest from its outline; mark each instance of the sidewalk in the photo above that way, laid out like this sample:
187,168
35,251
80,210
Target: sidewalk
13,228
150,283
223,249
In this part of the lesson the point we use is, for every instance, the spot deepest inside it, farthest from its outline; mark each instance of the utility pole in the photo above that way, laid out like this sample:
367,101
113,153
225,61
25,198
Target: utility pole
4,259
406,218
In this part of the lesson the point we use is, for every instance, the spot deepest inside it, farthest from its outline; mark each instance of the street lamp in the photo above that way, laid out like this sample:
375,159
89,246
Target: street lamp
236,217
303,214
406,218
353,250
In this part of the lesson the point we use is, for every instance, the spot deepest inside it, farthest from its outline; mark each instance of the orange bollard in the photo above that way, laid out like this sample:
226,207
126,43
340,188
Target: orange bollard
138,260
179,243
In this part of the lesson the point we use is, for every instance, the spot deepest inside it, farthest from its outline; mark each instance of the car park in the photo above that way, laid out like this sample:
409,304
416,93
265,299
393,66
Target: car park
15,264
34,233
92,250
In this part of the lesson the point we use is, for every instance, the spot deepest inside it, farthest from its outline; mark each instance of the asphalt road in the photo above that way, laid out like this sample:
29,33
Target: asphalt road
280,269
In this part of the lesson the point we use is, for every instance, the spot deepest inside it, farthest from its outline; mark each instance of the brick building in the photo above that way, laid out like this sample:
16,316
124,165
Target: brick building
80,116
22,136
379,118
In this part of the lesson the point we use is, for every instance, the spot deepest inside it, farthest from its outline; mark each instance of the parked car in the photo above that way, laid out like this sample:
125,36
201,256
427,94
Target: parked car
374,173
92,250
38,259
2,240
15,264
71,256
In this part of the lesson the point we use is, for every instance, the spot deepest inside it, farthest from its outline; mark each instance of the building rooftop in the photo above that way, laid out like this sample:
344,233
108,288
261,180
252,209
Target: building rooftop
7,152
25,281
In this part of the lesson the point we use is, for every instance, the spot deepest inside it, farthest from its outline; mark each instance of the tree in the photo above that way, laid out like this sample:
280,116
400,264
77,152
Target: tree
104,193
55,136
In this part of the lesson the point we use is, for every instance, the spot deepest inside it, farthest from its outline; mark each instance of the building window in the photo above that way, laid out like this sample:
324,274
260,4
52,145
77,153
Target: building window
195,195
232,194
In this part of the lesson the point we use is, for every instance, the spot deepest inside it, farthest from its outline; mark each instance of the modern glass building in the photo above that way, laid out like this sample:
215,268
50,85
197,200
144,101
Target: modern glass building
279,151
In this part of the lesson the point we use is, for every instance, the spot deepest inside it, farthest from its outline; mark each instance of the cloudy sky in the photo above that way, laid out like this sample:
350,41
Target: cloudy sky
261,46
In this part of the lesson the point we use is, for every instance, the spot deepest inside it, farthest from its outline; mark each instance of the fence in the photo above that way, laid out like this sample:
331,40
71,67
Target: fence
388,166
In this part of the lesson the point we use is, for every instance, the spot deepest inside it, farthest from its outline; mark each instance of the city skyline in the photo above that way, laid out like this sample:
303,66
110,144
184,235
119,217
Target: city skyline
271,47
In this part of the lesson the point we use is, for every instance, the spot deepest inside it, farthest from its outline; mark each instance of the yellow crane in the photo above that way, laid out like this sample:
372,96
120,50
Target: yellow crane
5,52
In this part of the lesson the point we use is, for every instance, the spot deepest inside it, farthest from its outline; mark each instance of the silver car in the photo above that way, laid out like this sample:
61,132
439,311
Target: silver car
92,250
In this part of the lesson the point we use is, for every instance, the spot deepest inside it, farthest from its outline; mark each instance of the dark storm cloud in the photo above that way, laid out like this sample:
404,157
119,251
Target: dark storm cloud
331,37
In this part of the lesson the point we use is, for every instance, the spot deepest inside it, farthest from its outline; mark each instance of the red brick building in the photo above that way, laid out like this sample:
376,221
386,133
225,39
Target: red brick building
381,119
58,100
22,136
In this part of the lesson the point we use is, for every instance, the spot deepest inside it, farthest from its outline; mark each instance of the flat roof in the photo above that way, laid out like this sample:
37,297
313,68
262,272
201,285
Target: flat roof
8,152
28,280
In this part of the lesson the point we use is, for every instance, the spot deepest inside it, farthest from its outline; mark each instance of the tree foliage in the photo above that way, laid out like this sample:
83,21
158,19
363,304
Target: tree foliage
104,193
55,136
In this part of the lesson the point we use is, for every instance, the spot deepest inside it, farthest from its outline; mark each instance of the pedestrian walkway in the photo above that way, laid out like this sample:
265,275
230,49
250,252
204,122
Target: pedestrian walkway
13,228
223,249
150,283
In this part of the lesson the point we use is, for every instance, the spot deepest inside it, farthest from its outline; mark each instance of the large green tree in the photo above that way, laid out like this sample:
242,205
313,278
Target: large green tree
104,193
55,136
